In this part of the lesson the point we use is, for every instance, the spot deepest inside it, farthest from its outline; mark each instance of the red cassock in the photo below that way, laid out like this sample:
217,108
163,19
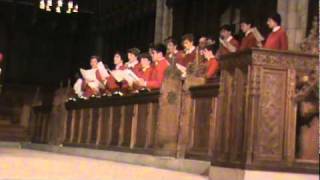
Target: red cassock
186,59
146,74
223,50
249,41
112,84
137,70
87,90
213,67
277,40
178,56
158,74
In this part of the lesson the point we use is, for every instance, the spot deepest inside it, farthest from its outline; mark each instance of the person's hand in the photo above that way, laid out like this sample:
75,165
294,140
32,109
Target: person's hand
142,82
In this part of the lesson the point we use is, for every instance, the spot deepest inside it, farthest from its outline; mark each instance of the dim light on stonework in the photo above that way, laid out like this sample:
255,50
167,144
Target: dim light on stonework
42,4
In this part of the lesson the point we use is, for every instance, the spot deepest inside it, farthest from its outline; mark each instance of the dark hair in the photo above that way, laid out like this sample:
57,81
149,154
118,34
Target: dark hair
276,17
160,48
246,21
151,46
145,56
120,54
134,51
171,40
95,57
188,37
226,27
212,47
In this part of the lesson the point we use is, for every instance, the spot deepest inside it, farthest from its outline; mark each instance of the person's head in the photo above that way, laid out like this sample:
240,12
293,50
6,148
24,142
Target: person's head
171,45
210,51
245,25
203,42
145,60
158,52
117,58
226,31
133,54
274,20
94,60
187,41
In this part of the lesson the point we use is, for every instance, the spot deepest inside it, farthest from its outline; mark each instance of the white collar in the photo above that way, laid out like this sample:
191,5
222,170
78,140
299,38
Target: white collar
132,64
118,66
275,29
189,51
229,38
248,32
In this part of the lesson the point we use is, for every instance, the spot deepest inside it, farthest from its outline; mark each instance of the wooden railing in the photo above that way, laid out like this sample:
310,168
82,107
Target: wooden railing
121,123
39,124
247,119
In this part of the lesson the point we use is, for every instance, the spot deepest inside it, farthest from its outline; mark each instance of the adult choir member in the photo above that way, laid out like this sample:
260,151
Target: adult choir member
277,39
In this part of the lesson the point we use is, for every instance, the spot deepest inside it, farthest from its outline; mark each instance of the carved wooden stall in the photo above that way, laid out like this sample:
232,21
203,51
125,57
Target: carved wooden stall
249,118
118,123
257,122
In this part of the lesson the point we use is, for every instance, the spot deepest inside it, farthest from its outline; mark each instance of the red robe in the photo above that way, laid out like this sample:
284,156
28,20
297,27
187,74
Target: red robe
213,67
277,40
87,90
112,84
146,74
187,58
178,56
223,50
137,70
158,74
249,41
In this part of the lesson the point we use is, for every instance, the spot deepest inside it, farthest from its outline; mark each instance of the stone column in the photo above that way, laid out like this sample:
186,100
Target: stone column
164,21
294,15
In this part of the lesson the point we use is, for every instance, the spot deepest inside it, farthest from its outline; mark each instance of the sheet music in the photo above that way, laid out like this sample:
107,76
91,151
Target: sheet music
118,75
182,69
102,70
88,75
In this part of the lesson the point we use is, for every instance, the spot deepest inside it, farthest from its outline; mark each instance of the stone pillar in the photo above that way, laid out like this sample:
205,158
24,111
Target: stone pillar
294,15
164,21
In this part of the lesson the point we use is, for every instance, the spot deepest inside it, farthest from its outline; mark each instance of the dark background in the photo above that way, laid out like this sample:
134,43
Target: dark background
45,48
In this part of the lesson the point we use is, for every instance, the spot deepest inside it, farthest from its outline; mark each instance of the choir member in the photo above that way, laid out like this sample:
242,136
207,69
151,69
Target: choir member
173,54
189,50
212,63
112,85
228,44
252,38
160,66
85,88
203,42
277,39
146,67
133,62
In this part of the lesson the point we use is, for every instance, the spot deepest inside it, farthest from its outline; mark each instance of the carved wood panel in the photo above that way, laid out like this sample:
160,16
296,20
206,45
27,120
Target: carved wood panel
270,125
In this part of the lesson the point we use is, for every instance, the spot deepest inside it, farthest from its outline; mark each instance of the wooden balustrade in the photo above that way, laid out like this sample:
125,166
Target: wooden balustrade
119,123
39,124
